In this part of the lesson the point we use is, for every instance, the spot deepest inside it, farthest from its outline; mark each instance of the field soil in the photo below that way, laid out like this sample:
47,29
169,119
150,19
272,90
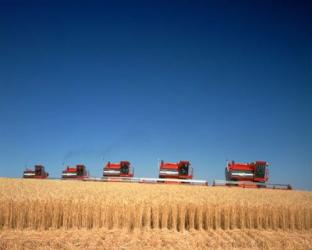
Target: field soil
54,214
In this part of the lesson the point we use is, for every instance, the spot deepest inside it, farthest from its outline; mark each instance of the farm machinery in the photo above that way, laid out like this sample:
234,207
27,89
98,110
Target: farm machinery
120,169
248,175
78,172
175,173
38,173
179,170
180,173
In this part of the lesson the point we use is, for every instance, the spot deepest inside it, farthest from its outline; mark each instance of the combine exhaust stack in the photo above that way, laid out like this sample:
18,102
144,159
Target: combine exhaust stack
78,172
38,173
248,175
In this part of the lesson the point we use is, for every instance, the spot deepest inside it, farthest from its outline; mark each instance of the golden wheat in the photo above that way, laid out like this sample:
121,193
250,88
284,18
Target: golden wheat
55,204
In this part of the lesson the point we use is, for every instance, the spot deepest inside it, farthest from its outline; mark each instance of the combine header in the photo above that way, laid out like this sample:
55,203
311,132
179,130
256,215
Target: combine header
249,175
78,172
38,173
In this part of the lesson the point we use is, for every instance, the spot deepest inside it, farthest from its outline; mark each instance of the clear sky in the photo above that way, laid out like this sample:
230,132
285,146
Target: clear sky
205,81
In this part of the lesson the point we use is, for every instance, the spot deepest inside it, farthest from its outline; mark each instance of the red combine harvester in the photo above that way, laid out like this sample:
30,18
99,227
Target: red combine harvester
254,171
179,170
120,169
78,172
174,173
251,175
179,173
38,173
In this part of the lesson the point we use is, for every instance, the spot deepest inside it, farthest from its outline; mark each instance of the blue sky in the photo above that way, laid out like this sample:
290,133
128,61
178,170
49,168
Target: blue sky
204,81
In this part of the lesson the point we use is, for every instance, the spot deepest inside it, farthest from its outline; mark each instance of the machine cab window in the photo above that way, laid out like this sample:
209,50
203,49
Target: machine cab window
124,168
184,169
260,170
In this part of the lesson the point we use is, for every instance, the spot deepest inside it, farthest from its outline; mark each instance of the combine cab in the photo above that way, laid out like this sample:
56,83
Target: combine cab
120,169
78,172
250,175
179,170
38,173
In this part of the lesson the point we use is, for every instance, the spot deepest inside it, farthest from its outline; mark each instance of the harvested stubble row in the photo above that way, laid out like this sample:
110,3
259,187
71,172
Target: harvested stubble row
154,239
52,204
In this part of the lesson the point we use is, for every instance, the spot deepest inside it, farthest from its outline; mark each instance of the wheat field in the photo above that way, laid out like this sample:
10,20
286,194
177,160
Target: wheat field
131,209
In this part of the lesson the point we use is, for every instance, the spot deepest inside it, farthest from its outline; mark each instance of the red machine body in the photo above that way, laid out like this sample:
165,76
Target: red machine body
77,172
255,171
38,173
179,170
120,169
